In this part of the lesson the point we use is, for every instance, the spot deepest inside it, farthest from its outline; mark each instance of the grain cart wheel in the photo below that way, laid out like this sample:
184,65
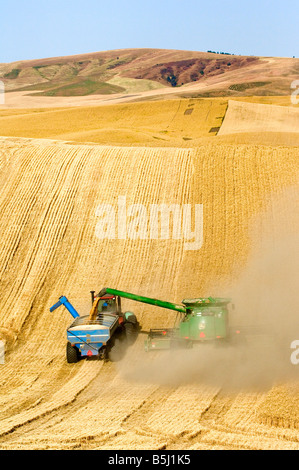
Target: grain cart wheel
116,351
103,353
72,354
130,330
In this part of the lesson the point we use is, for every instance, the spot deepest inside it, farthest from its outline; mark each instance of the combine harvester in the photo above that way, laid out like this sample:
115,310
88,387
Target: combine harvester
102,332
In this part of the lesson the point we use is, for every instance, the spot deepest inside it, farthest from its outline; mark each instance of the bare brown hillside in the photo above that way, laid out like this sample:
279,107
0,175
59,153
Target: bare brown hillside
150,71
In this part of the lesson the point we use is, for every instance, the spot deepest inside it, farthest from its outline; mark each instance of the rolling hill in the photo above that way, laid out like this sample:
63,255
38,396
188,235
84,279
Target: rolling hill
134,74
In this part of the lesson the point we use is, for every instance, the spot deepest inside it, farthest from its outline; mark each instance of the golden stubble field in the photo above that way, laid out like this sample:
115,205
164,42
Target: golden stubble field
214,399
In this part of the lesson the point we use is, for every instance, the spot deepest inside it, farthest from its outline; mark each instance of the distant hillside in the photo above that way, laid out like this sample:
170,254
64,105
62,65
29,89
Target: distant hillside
142,70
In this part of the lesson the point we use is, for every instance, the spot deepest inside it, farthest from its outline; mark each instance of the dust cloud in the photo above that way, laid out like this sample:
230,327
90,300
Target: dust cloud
266,312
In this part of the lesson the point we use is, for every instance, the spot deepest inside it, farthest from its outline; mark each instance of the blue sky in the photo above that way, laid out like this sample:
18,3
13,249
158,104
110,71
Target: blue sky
33,29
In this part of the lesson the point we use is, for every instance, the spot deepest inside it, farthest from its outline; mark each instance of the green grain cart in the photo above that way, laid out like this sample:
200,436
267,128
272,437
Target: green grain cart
200,320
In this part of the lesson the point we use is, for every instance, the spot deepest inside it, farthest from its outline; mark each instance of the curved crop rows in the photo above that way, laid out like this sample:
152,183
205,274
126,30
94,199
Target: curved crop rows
49,196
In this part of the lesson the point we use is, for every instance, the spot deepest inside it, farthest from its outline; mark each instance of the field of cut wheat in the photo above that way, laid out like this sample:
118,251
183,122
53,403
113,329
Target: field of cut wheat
174,123
187,123
50,195
244,117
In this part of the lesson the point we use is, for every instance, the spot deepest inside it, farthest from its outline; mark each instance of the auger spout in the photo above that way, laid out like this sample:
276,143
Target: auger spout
146,300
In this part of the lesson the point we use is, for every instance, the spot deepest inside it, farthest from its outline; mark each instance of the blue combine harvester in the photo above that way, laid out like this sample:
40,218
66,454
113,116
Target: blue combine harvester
102,332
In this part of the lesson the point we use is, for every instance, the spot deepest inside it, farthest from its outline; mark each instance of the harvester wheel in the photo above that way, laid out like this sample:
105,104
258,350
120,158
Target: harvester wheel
72,355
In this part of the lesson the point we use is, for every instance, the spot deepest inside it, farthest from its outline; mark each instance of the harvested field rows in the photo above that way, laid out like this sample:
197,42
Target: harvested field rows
49,248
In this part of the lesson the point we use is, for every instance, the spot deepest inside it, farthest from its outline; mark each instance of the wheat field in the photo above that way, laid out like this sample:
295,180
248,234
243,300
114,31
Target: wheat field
254,117
174,123
50,192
